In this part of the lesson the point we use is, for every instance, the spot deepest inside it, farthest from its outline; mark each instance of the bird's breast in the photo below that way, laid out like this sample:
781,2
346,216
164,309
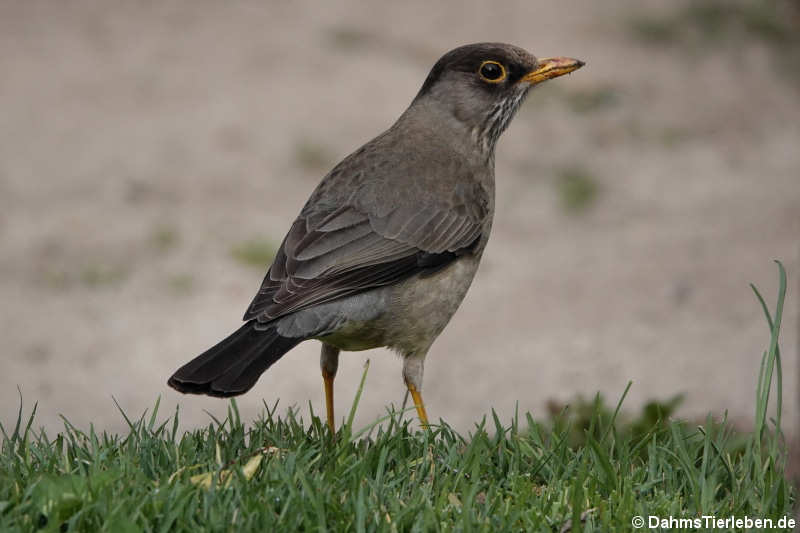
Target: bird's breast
423,305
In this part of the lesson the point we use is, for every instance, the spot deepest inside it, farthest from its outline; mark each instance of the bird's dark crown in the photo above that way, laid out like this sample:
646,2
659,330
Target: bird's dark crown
469,58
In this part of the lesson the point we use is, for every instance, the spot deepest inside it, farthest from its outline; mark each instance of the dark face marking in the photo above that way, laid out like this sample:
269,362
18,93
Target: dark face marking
475,59
480,85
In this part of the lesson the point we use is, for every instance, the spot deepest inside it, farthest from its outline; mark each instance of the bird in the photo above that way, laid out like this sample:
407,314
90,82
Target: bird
387,245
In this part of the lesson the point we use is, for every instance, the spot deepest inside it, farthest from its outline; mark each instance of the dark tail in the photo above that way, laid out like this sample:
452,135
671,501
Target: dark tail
234,365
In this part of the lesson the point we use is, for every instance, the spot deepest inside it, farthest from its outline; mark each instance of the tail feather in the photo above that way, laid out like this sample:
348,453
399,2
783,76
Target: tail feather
234,365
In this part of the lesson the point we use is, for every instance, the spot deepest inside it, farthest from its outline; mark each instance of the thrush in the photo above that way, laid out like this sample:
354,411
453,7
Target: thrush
384,250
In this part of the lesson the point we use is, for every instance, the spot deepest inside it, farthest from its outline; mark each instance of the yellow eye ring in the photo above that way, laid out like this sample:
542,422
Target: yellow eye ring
492,72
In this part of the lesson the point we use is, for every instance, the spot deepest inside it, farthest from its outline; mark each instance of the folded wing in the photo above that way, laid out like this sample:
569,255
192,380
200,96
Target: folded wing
346,251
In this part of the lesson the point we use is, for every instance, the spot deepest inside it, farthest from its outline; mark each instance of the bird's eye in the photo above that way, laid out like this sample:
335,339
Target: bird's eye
492,72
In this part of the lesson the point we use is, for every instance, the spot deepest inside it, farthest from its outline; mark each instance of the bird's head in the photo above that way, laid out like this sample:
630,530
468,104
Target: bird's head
482,85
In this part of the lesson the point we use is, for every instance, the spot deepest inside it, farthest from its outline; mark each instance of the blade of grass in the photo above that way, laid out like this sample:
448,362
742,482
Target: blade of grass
616,410
770,362
354,407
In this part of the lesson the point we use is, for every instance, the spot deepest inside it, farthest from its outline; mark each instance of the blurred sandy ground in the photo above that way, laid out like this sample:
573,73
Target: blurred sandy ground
140,142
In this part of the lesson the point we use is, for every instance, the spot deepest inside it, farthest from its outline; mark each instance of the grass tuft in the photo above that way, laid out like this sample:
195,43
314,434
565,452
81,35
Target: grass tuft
312,156
102,274
255,253
284,473
181,284
577,189
164,237
348,37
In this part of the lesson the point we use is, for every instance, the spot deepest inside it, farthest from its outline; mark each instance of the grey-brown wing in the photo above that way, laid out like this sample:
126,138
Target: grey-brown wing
345,251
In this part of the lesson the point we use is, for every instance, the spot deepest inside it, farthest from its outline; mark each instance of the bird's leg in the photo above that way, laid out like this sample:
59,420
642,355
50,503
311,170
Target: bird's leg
329,363
413,368
417,396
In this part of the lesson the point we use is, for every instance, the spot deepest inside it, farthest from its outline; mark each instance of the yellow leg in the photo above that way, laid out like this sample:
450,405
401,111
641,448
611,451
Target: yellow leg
417,397
328,379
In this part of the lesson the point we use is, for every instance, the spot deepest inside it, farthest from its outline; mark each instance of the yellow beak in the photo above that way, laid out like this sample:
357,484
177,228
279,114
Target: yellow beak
552,67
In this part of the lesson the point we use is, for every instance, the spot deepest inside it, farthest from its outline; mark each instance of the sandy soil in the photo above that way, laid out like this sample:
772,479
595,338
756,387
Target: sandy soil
140,142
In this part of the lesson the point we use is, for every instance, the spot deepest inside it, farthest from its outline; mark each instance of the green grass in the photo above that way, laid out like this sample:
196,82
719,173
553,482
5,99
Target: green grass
312,156
164,237
577,189
254,253
181,284
284,473
348,37
103,274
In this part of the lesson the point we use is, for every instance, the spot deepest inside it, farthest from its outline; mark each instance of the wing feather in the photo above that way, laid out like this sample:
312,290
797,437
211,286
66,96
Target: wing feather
363,227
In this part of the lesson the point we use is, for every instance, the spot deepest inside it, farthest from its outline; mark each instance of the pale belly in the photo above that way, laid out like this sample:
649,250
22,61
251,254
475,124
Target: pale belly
410,315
